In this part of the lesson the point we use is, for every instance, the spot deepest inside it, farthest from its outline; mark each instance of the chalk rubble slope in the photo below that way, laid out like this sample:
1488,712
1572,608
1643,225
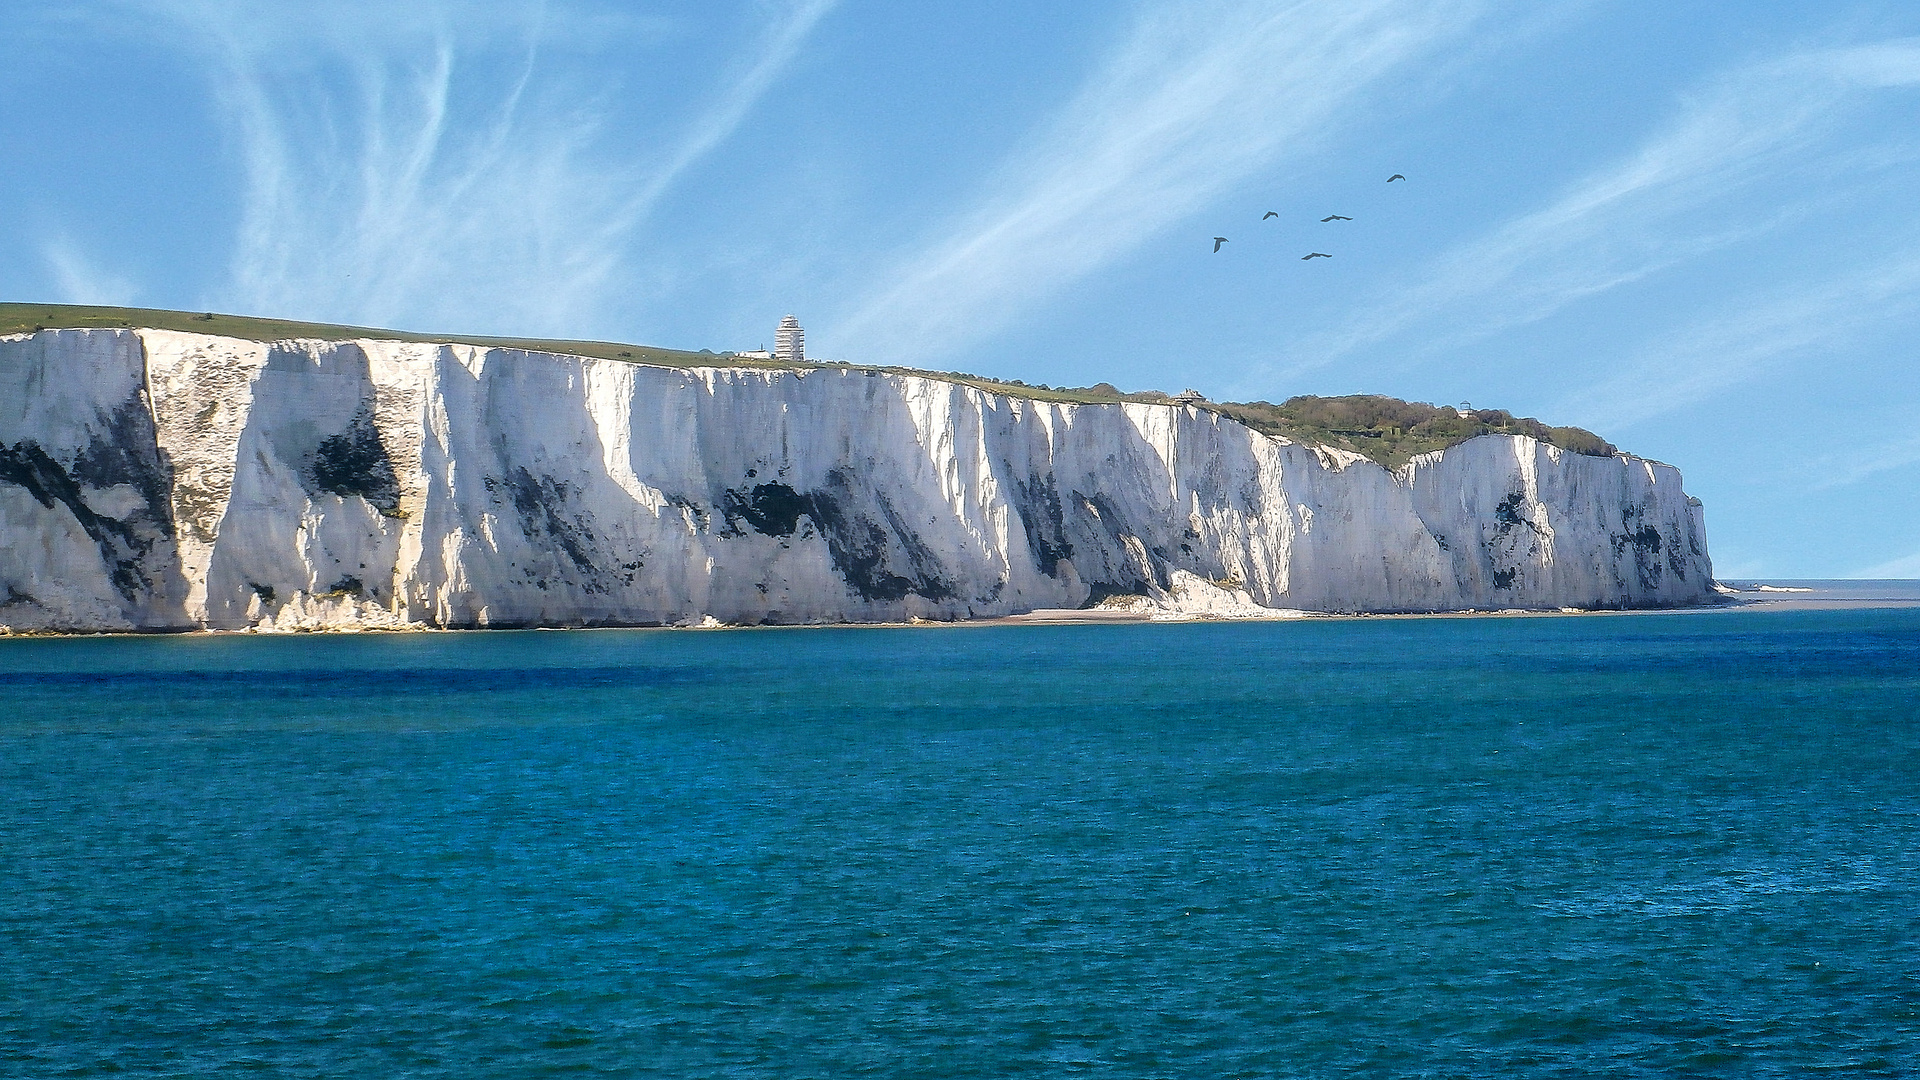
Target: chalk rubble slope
160,480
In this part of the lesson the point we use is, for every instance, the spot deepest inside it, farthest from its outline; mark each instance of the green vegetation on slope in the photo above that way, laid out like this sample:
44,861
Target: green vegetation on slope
1390,431
1384,429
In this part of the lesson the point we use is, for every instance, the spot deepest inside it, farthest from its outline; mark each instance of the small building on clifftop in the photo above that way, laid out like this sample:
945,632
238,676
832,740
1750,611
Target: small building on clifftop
789,342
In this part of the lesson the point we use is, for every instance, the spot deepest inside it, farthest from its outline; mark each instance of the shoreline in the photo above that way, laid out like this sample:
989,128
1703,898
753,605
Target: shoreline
1773,599
1768,602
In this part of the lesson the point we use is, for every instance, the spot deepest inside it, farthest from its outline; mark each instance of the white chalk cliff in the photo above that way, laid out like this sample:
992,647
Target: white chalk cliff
160,480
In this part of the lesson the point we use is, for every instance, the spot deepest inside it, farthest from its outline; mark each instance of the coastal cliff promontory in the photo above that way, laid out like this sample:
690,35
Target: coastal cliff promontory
163,479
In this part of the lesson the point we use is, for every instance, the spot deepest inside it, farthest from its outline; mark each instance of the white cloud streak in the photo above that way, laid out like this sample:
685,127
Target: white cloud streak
1629,220
1758,336
1860,463
1907,566
775,52
418,166
78,280
1195,101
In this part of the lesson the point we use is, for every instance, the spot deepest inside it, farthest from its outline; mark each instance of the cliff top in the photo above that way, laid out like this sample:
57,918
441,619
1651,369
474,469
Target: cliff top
29,318
1384,429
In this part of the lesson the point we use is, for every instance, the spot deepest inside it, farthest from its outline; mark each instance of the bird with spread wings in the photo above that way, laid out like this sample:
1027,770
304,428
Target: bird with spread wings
1271,214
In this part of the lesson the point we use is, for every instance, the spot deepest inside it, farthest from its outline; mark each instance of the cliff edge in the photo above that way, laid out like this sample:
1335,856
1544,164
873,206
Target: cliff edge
163,479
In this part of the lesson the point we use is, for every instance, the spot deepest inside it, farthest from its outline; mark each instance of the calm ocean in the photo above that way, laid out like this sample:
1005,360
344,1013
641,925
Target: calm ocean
1660,845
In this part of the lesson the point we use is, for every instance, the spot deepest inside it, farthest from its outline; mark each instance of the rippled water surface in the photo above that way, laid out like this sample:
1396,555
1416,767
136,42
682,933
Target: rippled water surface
1628,846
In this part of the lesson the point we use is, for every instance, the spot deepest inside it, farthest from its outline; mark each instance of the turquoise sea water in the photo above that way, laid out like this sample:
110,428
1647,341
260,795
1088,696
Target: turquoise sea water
1662,845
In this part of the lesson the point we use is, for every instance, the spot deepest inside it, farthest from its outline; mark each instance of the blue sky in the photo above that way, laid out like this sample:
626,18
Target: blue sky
1691,226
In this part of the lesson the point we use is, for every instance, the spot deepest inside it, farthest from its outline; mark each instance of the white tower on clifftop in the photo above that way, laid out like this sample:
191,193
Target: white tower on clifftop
789,341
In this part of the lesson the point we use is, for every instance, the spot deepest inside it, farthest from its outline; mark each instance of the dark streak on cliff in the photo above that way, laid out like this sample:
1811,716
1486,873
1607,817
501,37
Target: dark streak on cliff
125,453
543,504
868,553
1037,501
355,463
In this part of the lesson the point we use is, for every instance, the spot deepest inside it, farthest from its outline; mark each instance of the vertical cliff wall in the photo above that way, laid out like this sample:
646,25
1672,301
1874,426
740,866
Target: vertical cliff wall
153,479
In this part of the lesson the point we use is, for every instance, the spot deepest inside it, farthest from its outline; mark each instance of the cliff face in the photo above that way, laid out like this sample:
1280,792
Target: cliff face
153,479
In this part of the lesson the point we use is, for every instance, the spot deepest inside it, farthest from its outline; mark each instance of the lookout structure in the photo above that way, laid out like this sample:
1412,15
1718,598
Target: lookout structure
789,342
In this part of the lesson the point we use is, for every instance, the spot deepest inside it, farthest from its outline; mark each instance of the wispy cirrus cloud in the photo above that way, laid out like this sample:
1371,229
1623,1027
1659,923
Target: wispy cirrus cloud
1648,211
1194,101
1906,566
1867,462
1751,337
777,49
78,279
422,165
1860,459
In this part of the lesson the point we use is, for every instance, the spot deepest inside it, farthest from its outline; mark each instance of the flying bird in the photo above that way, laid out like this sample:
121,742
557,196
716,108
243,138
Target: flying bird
1271,213
1395,176
1217,241
1334,217
1315,255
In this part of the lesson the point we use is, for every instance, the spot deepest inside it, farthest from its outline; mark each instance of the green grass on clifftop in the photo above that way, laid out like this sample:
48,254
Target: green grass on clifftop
1387,430
28,318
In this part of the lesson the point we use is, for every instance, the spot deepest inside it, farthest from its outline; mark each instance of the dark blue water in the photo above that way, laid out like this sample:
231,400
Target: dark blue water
1670,845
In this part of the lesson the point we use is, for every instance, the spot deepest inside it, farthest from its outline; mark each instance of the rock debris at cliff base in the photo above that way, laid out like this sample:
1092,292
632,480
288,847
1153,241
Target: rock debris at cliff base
154,479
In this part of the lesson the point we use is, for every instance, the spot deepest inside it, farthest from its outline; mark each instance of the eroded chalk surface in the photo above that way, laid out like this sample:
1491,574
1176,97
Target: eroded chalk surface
153,479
